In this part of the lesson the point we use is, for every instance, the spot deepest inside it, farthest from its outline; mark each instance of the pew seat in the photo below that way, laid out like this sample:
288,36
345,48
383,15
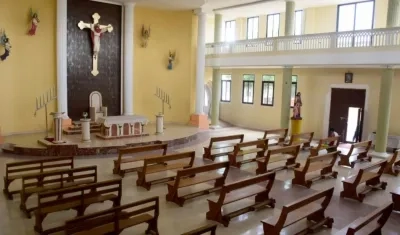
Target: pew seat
306,207
329,144
369,224
359,151
279,154
211,228
364,175
242,189
323,164
240,153
393,166
220,143
197,175
131,155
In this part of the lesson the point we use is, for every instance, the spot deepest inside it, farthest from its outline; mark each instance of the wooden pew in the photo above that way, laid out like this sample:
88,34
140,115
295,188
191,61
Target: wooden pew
156,164
239,190
238,156
323,163
117,219
288,154
211,228
17,170
396,199
279,135
46,181
393,166
214,146
303,139
306,207
187,177
364,175
360,149
368,224
132,151
77,198
330,144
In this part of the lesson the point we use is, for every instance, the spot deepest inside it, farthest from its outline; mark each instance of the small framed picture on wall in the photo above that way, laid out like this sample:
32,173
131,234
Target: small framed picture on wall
348,77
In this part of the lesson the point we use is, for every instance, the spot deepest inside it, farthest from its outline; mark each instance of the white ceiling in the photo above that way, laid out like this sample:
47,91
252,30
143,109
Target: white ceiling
265,7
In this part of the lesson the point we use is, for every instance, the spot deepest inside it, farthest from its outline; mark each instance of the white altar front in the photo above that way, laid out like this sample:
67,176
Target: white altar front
122,126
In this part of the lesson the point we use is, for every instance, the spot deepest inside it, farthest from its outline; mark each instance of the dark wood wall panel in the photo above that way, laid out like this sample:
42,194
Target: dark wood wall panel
80,80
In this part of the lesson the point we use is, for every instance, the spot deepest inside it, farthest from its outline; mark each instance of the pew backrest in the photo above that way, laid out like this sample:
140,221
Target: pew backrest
328,140
141,149
381,165
82,192
62,177
112,216
279,134
202,230
292,150
19,169
382,212
330,158
225,138
148,162
392,161
287,209
201,169
363,147
305,137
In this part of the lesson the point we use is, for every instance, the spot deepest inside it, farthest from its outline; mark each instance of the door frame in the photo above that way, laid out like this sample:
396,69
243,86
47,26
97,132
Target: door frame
328,106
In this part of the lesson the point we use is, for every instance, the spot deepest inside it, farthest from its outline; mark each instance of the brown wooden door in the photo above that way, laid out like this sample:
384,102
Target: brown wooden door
341,101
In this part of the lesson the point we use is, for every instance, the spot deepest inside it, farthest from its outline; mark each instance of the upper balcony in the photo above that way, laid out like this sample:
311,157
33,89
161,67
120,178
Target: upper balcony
364,47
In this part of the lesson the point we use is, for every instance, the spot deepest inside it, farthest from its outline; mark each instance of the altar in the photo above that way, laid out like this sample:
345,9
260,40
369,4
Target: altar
113,127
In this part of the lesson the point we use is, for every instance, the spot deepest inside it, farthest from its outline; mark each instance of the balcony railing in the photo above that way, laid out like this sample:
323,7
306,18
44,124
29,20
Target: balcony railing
373,38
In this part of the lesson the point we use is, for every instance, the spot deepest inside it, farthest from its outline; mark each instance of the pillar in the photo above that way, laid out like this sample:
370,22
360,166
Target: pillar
382,127
286,95
216,79
57,127
199,119
289,18
62,92
128,57
393,14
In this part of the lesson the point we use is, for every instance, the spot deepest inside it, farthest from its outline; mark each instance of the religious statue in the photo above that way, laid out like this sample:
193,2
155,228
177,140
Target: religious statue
171,59
5,42
34,23
297,107
145,36
96,34
97,31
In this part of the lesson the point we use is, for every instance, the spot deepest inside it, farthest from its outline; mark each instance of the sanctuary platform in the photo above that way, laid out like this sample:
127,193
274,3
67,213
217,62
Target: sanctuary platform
36,145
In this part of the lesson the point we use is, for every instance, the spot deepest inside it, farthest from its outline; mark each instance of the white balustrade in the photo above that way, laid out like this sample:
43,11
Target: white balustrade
386,37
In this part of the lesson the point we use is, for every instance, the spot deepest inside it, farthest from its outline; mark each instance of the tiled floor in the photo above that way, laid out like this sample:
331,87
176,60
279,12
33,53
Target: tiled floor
176,220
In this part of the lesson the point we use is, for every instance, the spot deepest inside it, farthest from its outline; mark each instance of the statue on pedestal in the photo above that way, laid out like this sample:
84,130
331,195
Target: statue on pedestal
297,107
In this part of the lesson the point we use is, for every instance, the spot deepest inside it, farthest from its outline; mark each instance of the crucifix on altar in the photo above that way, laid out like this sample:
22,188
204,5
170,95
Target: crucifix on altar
97,31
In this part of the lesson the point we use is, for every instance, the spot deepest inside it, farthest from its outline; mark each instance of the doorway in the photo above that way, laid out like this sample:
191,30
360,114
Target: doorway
347,113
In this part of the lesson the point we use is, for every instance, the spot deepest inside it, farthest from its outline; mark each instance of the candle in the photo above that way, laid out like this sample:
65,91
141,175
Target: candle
37,103
167,99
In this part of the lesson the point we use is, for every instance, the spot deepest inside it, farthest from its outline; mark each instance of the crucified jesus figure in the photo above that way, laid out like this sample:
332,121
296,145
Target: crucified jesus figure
96,34
96,31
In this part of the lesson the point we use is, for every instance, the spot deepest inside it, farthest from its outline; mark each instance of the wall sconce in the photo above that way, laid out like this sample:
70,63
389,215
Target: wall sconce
145,36
171,59
348,77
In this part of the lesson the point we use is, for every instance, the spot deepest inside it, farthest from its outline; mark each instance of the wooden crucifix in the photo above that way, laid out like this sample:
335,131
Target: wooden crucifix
97,31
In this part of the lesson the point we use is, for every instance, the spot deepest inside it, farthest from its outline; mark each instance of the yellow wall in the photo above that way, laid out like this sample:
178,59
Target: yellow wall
170,30
30,69
316,20
314,84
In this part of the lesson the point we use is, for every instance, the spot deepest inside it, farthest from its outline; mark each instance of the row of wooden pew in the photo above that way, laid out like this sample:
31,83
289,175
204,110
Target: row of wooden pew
60,186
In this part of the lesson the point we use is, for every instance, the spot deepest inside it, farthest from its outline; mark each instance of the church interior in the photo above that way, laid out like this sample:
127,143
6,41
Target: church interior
199,117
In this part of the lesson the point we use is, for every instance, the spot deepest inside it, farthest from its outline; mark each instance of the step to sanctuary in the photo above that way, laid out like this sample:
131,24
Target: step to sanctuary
76,128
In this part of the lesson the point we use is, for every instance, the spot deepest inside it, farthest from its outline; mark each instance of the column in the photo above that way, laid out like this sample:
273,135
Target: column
286,95
393,14
62,94
216,82
382,128
128,57
216,97
201,62
289,18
